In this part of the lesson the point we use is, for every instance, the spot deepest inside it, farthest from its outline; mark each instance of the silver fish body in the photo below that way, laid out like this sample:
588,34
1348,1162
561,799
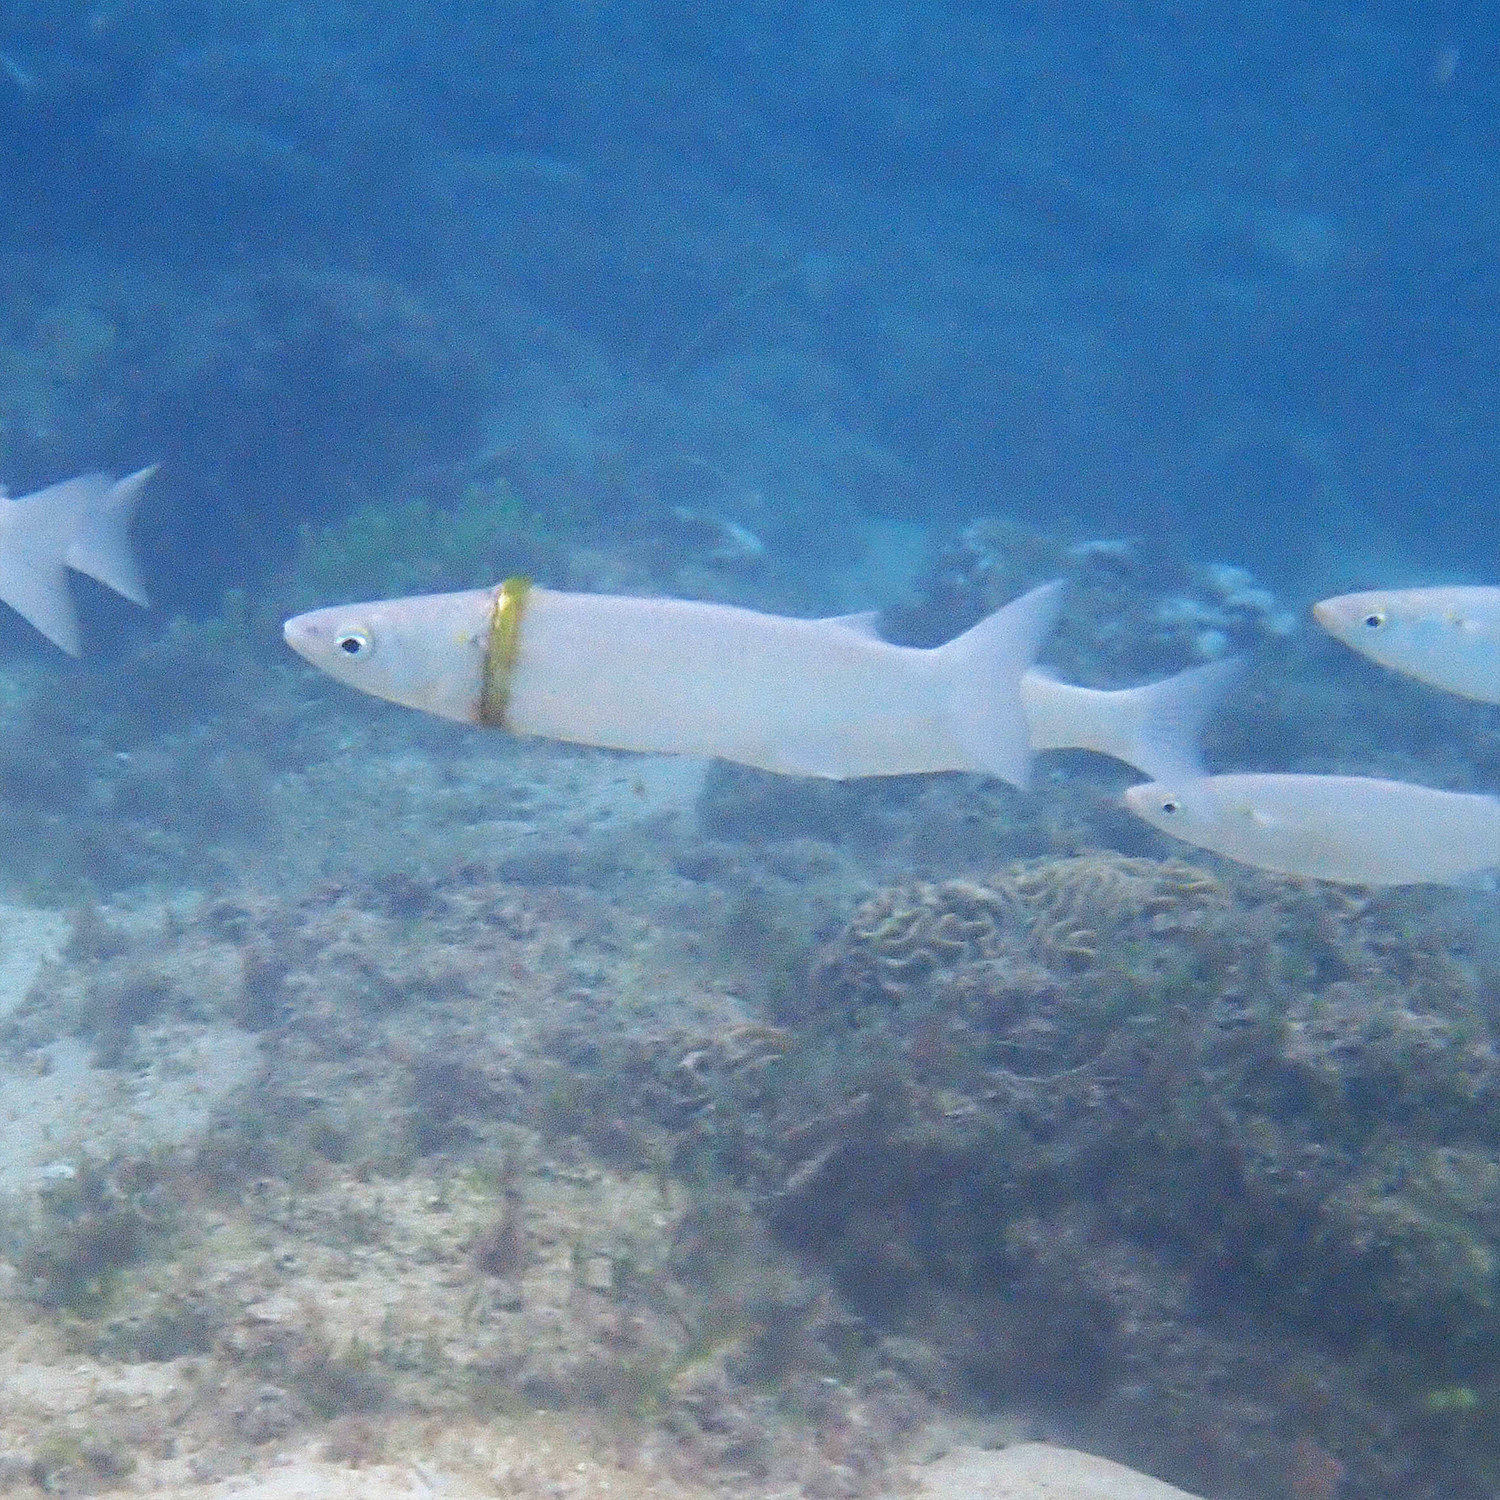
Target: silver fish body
800,697
1359,830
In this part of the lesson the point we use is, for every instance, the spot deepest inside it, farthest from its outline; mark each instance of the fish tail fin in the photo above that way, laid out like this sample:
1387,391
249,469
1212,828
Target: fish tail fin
1157,727
1164,720
1154,728
988,719
100,545
35,534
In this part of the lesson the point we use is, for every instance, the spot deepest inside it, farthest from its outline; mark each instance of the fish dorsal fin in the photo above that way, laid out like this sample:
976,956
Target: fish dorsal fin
988,662
100,545
865,622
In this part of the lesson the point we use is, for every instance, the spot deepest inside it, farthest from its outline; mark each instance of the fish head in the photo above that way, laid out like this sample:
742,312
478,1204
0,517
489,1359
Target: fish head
1447,635
425,652
1361,620
1188,810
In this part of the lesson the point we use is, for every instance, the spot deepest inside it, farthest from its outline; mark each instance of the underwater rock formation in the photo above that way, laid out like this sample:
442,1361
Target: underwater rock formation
1084,1117
1203,1166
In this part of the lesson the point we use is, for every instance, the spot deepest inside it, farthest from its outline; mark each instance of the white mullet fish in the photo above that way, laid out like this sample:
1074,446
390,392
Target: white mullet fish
1446,637
83,524
800,697
1359,830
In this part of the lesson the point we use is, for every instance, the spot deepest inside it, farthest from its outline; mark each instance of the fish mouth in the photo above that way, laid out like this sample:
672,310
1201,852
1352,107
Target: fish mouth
298,633
1325,614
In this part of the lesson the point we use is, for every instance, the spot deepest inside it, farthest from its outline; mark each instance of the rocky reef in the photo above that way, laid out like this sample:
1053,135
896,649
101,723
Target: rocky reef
1212,1157
1196,1168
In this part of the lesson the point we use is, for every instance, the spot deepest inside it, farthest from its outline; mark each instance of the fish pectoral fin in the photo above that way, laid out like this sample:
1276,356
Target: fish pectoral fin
1256,815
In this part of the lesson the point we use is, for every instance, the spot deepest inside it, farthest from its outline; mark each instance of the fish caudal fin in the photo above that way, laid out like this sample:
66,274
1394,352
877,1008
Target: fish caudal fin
988,662
100,545
1155,727
1165,719
41,596
35,534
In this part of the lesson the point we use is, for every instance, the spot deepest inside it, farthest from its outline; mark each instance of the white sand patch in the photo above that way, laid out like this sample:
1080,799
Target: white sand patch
540,1463
536,1457
313,1480
1037,1471
57,1107
29,937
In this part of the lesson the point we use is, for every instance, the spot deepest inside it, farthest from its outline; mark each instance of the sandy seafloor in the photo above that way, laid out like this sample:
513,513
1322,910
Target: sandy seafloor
59,1107
191,1426
342,1332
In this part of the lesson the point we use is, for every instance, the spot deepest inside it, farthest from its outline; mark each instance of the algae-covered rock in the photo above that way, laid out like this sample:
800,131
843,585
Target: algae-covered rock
1069,1117
1202,1166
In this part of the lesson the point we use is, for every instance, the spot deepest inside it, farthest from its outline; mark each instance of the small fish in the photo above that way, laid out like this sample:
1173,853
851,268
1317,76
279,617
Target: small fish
1448,638
83,524
800,697
1359,830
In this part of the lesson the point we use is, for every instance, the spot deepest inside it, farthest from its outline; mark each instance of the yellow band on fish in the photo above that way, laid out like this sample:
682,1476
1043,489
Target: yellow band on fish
500,656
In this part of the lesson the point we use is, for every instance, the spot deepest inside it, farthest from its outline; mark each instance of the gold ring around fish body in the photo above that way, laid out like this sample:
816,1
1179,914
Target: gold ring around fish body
500,653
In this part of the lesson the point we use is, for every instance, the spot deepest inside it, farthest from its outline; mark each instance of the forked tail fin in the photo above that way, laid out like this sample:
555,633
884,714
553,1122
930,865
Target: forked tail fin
1155,728
35,534
101,541
988,662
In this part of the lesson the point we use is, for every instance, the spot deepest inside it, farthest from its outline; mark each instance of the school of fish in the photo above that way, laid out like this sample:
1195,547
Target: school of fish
831,698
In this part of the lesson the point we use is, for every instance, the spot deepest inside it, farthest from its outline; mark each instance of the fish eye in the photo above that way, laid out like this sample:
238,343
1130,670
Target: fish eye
353,643
1375,619
1170,806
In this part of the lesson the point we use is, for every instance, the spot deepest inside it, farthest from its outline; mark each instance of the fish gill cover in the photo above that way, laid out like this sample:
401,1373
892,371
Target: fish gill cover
768,1128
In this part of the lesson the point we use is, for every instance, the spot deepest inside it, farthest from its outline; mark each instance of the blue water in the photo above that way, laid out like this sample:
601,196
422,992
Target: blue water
1223,270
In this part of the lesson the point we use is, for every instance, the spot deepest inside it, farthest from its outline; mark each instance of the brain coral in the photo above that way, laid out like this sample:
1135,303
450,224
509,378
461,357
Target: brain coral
1059,912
